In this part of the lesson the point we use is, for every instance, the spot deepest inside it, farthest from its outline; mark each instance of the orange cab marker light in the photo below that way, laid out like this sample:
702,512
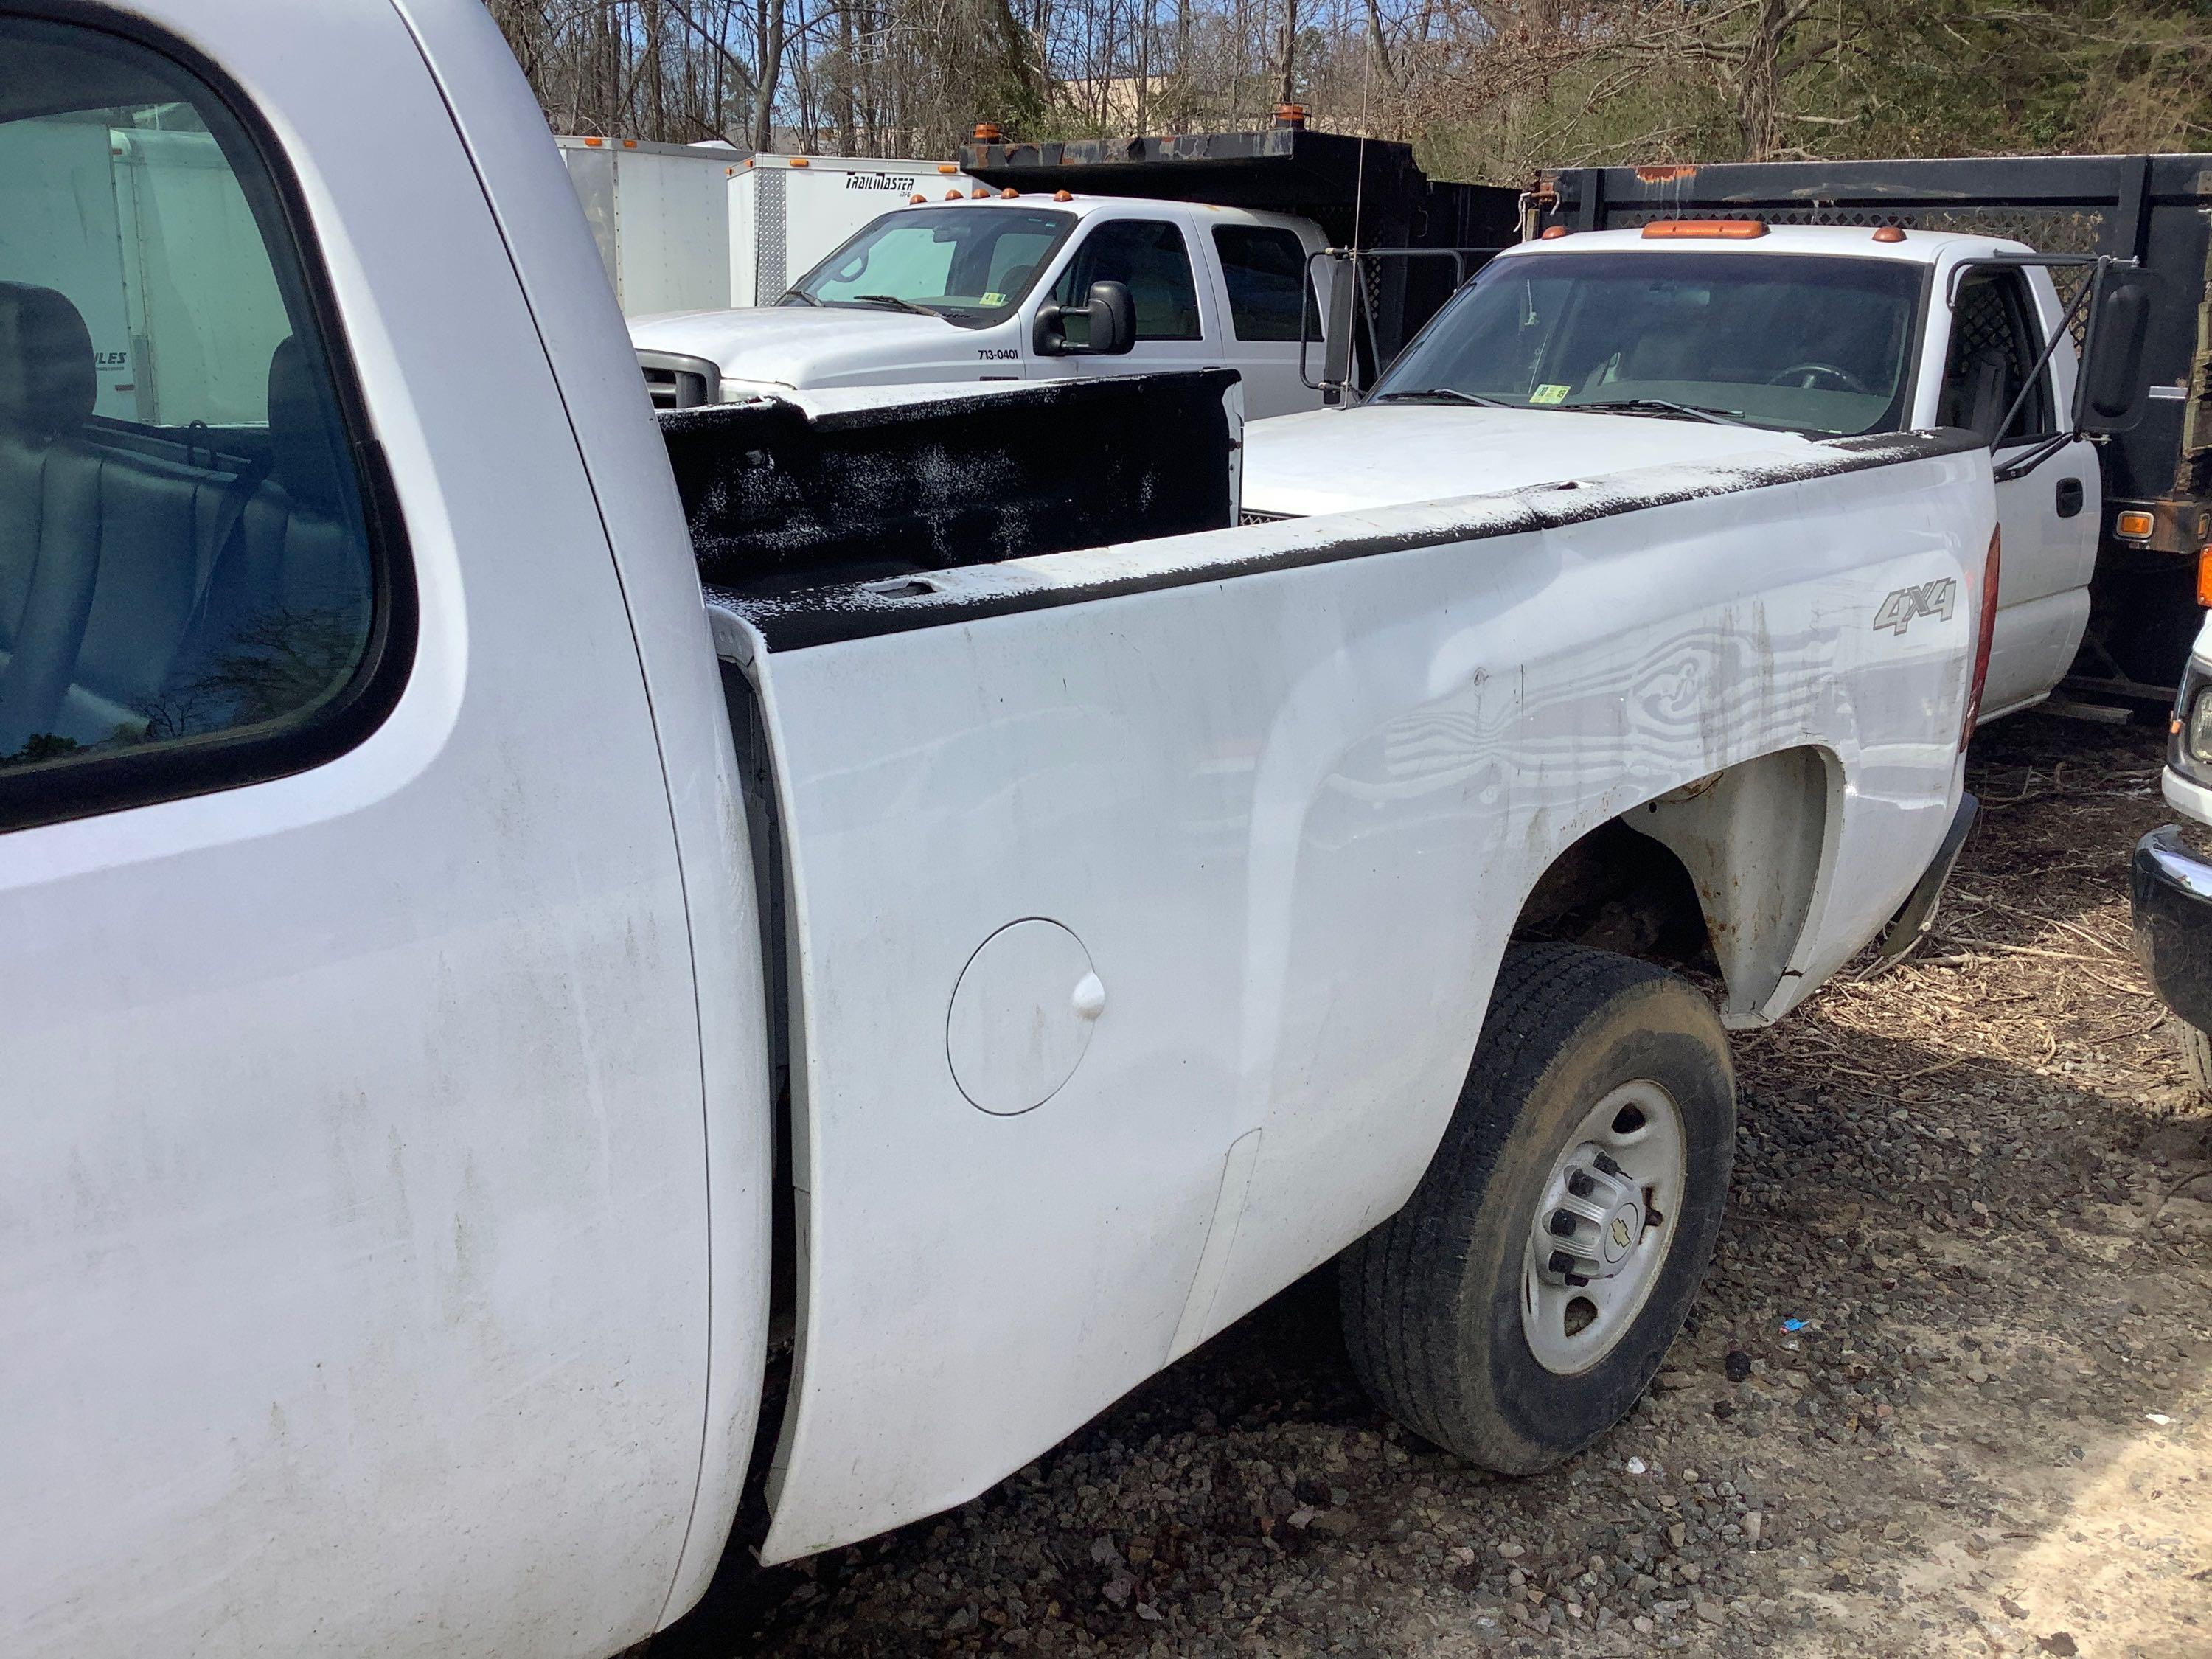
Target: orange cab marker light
1008,193
954,195
629,143
2204,578
1733,230
946,167
798,160
916,196
1552,232
1889,233
1063,195
594,143
2136,527
978,193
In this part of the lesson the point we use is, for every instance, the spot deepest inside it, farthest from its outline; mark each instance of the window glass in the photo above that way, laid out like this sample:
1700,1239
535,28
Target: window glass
1149,255
1995,338
183,557
1800,343
1266,270
969,264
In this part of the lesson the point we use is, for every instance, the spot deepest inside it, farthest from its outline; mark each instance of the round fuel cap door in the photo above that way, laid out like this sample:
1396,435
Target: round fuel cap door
1022,1016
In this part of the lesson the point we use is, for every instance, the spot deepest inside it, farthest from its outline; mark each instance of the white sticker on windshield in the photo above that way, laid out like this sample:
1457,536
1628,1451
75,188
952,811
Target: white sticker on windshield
995,299
1550,394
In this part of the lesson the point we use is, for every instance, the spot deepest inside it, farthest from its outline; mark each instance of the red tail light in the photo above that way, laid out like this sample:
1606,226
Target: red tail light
1985,631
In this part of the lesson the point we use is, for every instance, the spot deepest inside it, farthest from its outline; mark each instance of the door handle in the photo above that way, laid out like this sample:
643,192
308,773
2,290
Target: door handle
2069,497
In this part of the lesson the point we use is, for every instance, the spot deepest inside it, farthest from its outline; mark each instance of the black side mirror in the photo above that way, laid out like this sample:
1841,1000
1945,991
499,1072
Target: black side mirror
1336,370
1109,325
2109,392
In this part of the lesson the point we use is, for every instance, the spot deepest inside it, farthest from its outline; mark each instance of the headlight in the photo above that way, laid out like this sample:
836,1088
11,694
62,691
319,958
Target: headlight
2197,735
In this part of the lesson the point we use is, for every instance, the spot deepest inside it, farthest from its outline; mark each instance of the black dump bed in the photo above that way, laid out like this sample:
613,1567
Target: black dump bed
2157,209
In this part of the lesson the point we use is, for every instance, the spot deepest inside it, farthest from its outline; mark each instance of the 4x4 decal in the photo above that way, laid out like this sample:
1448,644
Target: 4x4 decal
1937,598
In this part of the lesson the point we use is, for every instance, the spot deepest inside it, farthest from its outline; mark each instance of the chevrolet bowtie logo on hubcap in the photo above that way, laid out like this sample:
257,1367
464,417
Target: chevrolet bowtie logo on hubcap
1590,1223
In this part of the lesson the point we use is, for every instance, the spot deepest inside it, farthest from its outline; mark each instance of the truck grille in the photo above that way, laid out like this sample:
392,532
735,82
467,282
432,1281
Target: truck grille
675,381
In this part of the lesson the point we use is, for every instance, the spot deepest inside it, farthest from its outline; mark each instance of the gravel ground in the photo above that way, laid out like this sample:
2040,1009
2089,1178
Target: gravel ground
1946,1390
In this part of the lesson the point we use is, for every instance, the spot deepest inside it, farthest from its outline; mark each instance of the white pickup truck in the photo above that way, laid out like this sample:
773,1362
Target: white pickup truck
977,285
1687,341
507,904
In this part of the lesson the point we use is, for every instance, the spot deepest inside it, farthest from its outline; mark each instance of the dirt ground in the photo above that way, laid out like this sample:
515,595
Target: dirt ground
1948,1389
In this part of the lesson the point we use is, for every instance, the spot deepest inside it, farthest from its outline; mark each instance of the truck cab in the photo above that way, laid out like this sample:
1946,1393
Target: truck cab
1578,354
979,286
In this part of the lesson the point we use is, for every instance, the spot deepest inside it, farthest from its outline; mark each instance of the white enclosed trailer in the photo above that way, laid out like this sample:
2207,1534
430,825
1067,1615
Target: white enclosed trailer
660,216
787,213
145,202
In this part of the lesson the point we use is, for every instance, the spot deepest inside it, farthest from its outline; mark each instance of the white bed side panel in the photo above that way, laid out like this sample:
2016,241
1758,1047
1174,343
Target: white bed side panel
1290,816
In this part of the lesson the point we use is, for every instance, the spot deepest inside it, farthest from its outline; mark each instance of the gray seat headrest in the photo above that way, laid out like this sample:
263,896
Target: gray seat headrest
303,421
46,378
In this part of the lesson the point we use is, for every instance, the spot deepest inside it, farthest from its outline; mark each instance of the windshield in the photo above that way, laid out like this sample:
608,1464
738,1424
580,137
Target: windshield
1792,342
967,265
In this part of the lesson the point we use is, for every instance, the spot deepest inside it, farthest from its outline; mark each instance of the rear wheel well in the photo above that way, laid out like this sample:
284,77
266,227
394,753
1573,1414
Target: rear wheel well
1615,890
1720,875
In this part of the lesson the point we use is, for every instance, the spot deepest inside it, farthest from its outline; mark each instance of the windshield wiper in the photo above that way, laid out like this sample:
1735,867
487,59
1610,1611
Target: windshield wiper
894,303
1664,406
791,294
1440,394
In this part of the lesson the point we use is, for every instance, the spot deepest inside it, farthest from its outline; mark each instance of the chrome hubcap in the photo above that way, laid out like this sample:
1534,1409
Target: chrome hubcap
1598,1240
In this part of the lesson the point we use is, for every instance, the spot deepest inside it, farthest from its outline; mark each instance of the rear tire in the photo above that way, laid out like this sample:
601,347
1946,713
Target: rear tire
1584,1058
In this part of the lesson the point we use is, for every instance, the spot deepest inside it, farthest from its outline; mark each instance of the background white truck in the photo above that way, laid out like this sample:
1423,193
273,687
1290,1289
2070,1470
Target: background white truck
1575,354
970,285
423,920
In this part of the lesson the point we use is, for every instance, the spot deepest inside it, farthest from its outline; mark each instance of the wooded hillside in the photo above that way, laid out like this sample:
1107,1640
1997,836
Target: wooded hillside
1485,88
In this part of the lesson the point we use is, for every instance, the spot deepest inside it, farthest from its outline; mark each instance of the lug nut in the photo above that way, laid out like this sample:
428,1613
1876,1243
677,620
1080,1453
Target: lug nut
1606,1164
1563,1223
1577,1281
1561,1262
1580,1184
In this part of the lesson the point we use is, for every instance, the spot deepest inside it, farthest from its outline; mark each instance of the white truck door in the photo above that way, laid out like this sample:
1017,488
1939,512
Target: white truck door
1177,324
353,1209
1260,269
2000,319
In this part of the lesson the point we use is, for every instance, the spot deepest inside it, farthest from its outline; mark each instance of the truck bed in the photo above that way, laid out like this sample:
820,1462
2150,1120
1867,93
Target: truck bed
1223,835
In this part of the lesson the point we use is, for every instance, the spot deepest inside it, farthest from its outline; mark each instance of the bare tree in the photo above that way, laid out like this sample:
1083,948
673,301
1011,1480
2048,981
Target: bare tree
1486,87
